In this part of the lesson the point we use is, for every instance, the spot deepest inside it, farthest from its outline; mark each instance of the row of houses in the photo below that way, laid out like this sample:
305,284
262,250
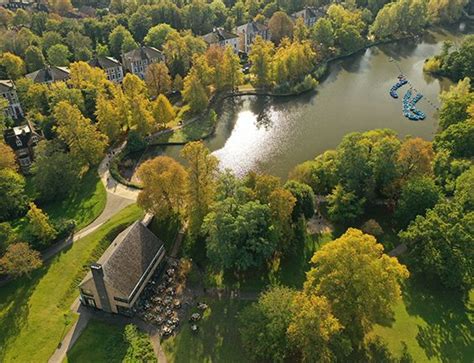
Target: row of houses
244,36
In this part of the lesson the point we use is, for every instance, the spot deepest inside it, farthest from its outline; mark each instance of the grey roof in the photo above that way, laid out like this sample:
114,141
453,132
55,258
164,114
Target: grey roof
104,62
142,53
127,258
49,74
310,12
6,85
252,27
218,35
22,133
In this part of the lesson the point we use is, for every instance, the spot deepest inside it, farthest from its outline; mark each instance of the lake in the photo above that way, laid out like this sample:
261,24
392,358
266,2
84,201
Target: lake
272,135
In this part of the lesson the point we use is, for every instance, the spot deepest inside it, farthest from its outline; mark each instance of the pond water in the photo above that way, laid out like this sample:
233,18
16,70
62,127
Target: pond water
273,135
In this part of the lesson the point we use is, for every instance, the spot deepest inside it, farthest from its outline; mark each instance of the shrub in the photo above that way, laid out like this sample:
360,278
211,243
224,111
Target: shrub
372,227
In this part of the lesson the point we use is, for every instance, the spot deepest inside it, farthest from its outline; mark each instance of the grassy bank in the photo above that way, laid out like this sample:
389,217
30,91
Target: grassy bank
83,205
34,312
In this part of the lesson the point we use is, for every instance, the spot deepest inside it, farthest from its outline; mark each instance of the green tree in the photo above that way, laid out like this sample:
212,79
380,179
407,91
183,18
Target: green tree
240,234
194,93
458,139
260,57
313,327
163,194
440,243
40,226
360,282
231,70
55,172
304,199
417,196
34,58
163,110
85,142
139,24
8,159
323,33
445,11
13,65
7,237
139,346
264,324
157,35
344,206
20,260
121,40
13,202
201,182
455,103
58,55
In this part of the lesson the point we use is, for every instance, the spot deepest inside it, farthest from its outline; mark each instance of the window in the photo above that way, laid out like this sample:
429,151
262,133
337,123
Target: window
18,142
34,138
25,162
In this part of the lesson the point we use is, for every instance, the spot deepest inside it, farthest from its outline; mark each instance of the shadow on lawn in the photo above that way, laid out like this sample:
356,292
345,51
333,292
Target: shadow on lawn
218,338
14,307
448,334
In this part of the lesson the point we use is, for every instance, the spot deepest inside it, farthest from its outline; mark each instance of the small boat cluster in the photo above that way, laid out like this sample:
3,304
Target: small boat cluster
401,82
409,110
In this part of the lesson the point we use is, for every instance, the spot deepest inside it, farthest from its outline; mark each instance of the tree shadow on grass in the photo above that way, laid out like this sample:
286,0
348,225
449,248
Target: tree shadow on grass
14,308
218,338
448,334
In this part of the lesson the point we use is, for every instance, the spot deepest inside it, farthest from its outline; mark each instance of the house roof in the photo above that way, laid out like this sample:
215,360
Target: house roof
142,53
218,35
310,12
6,85
104,62
127,258
49,74
252,27
21,133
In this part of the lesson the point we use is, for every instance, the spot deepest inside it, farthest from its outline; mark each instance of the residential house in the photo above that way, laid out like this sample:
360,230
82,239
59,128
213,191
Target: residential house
310,15
248,32
111,66
49,74
36,5
23,139
117,279
223,38
8,91
138,60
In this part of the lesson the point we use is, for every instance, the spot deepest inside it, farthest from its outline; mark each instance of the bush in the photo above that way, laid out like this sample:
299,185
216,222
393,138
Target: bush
140,349
64,227
372,227
135,142
432,65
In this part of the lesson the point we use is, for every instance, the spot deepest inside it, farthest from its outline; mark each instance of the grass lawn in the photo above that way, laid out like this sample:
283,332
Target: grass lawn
435,325
84,205
34,311
99,342
218,338
191,132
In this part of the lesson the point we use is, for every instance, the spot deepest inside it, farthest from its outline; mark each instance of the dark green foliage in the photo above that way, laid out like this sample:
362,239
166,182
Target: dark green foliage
417,196
135,142
139,349
304,199
13,199
458,139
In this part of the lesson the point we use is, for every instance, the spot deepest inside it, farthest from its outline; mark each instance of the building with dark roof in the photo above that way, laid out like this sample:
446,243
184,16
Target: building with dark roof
248,32
223,38
8,92
309,15
111,66
22,139
49,74
138,60
117,279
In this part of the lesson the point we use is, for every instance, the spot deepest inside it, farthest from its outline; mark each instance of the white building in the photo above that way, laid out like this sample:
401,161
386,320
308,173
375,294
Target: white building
138,60
223,38
8,92
111,66
248,32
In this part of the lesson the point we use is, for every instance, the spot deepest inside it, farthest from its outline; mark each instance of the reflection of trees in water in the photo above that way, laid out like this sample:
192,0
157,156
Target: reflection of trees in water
447,335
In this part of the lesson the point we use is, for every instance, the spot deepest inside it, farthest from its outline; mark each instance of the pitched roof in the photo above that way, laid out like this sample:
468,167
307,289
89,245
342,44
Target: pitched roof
128,257
142,53
6,85
252,27
49,74
21,133
218,35
104,62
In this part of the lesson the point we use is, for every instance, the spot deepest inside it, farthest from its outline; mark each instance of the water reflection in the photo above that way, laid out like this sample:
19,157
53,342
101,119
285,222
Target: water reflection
273,135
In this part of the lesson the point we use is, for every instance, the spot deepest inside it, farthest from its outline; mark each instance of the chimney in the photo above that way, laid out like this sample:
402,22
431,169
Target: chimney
98,277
